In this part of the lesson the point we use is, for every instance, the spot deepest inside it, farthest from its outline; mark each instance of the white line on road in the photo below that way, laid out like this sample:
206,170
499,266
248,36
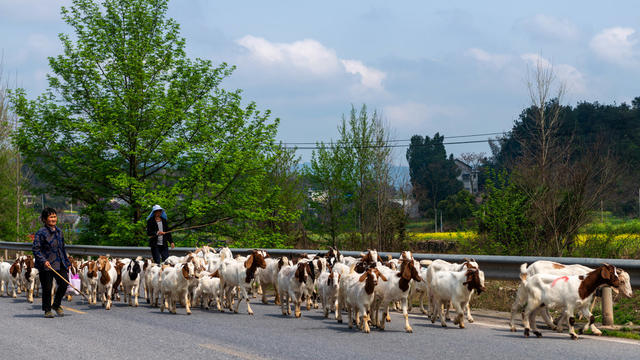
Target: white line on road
232,352
601,338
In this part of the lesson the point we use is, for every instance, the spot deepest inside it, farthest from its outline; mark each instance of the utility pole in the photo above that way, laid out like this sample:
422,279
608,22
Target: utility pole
17,190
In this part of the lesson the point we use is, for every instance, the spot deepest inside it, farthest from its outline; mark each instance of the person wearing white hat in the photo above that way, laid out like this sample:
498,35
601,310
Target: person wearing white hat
159,238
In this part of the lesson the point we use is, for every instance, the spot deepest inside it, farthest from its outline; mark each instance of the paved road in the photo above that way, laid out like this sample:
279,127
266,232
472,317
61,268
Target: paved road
146,333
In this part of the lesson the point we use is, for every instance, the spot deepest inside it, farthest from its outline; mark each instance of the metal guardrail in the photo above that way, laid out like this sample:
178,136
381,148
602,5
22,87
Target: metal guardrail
494,267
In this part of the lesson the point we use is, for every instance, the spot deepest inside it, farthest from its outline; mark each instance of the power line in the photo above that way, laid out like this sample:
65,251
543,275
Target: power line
403,140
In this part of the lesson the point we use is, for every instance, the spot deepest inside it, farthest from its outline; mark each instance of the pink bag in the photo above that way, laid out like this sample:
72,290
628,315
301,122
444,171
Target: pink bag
74,279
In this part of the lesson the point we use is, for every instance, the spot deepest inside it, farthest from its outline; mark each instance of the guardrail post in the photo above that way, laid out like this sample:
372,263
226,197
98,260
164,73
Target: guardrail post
607,306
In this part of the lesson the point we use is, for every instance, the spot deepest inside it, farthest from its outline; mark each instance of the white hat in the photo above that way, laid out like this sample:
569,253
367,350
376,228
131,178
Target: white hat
154,209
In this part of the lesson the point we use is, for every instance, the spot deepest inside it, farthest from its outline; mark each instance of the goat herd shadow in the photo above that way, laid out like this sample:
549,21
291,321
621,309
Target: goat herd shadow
417,320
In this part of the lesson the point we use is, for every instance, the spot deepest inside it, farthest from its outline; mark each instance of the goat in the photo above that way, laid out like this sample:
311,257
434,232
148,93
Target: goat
208,290
291,285
441,265
89,279
357,292
269,276
175,284
328,284
131,281
107,278
239,274
543,267
570,293
7,278
455,287
395,289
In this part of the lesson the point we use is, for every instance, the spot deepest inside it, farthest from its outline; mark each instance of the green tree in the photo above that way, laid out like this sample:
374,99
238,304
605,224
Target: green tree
330,189
458,207
433,175
129,121
503,221
16,219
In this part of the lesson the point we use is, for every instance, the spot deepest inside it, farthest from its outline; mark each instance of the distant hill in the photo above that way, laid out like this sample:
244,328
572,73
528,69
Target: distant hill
400,174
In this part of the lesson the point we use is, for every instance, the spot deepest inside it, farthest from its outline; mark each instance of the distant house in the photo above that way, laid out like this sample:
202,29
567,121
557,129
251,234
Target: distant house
468,176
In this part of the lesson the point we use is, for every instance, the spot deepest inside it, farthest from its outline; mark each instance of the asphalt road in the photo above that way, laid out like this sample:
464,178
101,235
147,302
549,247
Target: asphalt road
145,333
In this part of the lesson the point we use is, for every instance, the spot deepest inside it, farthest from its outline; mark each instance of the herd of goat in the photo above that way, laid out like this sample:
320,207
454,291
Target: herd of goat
366,288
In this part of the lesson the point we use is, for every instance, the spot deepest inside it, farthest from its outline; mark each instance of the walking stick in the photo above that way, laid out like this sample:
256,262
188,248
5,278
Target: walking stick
73,287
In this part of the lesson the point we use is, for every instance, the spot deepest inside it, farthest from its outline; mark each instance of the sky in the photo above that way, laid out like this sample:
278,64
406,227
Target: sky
453,67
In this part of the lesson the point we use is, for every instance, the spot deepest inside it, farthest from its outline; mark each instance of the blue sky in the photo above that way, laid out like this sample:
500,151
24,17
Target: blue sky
454,67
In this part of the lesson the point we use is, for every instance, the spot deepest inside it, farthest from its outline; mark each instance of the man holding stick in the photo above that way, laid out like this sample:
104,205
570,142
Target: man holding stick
49,253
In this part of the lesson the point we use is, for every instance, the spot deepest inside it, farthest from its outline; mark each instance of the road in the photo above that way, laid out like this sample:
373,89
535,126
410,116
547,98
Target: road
145,333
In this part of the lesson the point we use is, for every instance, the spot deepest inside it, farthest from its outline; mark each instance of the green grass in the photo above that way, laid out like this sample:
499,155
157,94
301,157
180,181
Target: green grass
622,333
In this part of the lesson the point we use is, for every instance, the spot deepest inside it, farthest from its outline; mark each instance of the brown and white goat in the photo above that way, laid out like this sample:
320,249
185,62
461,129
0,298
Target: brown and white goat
570,293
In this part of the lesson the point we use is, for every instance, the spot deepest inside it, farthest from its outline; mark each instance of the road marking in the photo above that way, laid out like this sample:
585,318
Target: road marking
601,338
73,310
232,352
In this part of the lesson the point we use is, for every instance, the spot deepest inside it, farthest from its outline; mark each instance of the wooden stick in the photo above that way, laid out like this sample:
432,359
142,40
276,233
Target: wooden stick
73,287
193,227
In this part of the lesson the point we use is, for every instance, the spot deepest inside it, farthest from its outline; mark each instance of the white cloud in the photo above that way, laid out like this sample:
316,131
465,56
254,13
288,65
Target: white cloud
369,77
616,45
494,60
567,74
551,27
310,56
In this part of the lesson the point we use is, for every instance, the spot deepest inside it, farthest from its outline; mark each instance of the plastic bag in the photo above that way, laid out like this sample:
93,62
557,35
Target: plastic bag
74,279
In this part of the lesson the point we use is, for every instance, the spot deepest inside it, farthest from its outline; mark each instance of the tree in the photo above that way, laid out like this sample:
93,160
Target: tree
16,219
433,175
129,121
351,181
562,178
458,207
503,219
331,189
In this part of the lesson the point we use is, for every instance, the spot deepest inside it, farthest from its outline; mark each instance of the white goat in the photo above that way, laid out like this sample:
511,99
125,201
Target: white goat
89,279
106,279
570,293
328,284
291,285
358,293
131,275
175,284
208,290
543,267
236,274
396,288
269,276
6,279
441,265
455,287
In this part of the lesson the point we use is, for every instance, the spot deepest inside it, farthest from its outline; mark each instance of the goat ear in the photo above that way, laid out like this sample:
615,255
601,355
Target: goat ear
249,262
363,277
605,272
380,275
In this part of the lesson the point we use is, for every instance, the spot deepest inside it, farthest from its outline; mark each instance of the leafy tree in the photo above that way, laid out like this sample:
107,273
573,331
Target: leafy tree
503,221
458,207
129,121
331,189
433,175
16,219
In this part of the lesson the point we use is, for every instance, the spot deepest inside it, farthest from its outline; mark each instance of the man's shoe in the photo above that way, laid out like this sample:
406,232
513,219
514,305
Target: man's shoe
48,314
59,311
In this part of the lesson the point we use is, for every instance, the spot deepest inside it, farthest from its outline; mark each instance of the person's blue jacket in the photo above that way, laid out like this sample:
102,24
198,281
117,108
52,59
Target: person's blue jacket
48,245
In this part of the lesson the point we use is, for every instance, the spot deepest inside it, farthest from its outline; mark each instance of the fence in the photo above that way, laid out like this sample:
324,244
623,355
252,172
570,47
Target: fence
494,267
